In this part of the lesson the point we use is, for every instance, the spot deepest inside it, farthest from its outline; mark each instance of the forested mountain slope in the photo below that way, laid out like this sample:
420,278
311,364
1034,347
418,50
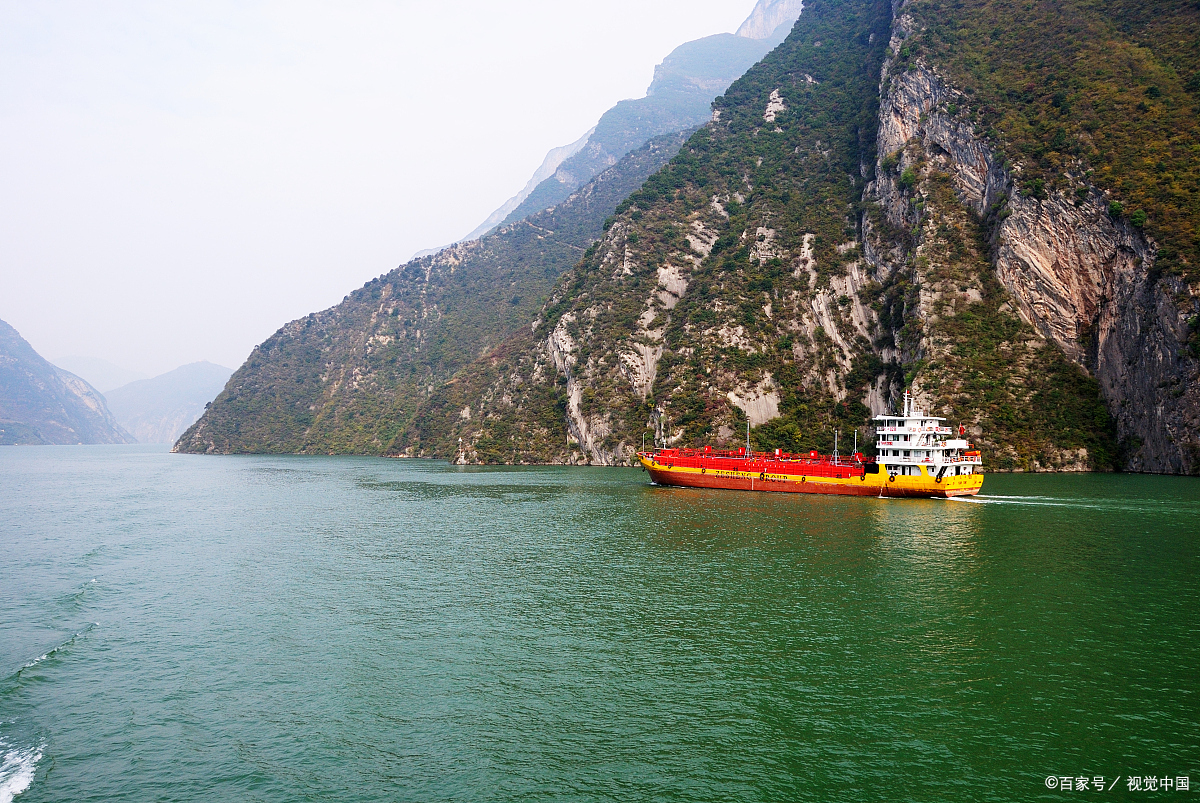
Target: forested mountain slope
991,201
348,379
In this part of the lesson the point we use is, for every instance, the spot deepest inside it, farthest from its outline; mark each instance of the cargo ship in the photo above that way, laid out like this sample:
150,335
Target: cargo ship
917,455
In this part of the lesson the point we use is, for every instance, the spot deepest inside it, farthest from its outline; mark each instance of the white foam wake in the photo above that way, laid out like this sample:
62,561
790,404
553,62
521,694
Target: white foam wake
51,652
16,770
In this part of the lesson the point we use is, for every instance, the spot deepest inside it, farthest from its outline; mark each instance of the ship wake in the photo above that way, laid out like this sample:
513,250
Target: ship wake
17,768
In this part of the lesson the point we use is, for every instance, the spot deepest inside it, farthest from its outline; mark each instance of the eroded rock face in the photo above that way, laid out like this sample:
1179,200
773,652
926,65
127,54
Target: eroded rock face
1083,280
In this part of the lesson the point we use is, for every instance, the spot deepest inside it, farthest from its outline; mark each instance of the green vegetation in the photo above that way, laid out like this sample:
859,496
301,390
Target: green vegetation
985,366
1103,89
766,222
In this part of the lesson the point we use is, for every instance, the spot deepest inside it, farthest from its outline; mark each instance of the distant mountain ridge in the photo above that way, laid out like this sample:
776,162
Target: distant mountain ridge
767,17
158,410
679,97
549,166
43,404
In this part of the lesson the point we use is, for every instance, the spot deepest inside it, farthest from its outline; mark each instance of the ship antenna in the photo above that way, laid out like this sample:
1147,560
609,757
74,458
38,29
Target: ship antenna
747,438
835,447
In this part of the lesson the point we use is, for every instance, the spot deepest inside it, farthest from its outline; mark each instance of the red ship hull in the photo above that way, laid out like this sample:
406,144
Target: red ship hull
795,474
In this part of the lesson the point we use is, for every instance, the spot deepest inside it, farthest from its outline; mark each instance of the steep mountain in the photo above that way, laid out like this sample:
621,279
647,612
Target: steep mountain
350,378
679,97
158,410
42,404
991,202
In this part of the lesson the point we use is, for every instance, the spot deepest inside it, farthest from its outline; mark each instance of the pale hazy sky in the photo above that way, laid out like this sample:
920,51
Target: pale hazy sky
179,179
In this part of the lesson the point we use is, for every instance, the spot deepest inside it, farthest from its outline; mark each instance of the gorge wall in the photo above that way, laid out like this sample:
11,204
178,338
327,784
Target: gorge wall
796,265
41,404
1084,280
994,203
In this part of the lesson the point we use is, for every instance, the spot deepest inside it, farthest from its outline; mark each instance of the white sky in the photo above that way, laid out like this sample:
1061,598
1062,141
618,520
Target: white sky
179,179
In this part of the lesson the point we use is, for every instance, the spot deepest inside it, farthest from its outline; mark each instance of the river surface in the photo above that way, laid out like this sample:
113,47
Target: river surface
182,628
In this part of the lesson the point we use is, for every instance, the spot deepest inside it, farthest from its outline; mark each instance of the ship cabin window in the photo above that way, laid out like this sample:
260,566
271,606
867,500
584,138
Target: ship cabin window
906,453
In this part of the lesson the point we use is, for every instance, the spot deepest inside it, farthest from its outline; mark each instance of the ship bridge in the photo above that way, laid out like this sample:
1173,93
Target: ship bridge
916,443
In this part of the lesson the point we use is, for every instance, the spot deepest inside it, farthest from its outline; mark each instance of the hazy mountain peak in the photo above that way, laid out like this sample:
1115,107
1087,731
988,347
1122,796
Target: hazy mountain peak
678,98
767,16
553,159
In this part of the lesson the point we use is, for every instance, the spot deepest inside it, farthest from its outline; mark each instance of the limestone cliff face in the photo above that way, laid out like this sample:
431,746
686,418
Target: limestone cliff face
1083,280
847,224
706,305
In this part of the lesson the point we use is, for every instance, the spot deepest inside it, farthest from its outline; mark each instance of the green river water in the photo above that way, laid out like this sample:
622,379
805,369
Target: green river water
177,628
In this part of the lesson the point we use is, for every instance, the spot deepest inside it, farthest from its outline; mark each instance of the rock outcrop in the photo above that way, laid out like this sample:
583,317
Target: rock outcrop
1083,279
767,16
733,290
875,205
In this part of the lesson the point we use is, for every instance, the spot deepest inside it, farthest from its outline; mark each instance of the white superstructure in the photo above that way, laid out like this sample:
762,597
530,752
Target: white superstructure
915,444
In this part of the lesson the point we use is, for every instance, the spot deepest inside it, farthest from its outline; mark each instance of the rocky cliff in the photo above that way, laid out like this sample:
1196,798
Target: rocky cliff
1082,279
767,16
849,223
42,404
994,203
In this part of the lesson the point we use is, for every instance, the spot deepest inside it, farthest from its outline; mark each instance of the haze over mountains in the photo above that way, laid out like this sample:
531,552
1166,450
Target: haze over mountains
100,374
41,403
679,97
